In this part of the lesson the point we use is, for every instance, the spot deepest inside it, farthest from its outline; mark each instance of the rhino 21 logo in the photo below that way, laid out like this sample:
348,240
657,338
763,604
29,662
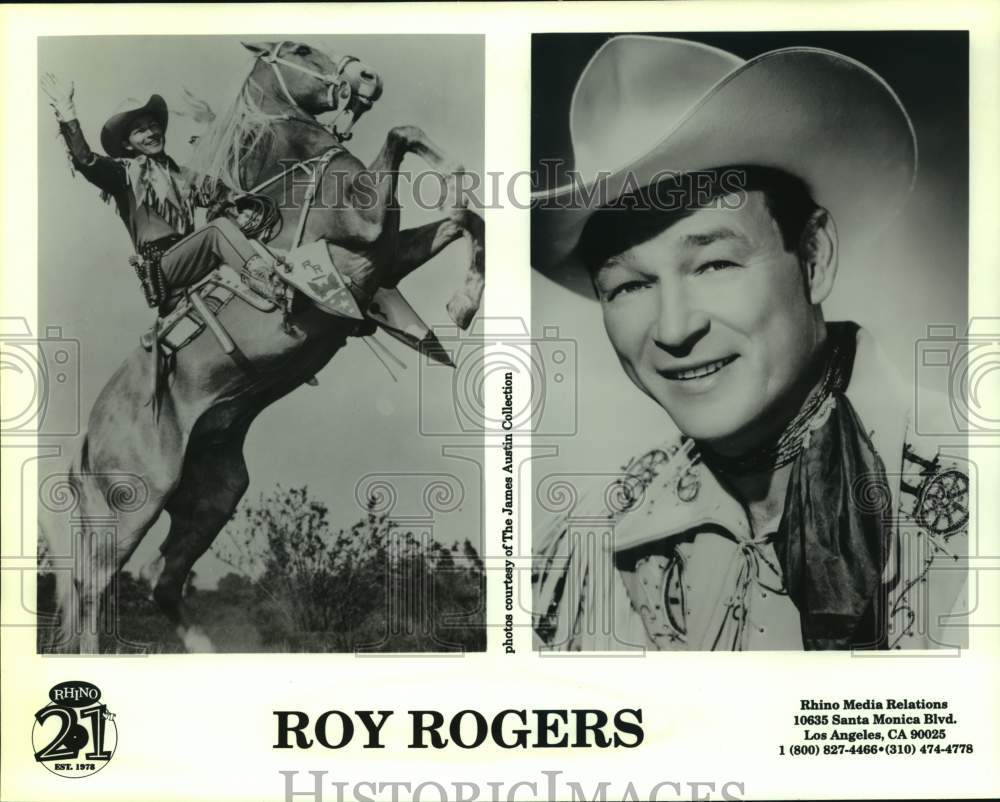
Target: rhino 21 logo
75,734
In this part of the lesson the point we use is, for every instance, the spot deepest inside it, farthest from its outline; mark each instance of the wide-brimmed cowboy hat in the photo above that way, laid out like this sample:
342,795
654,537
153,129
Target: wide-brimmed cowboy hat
646,106
118,127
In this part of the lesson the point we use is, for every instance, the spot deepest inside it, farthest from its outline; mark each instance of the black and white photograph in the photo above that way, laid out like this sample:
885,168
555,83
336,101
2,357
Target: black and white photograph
756,246
693,498
254,272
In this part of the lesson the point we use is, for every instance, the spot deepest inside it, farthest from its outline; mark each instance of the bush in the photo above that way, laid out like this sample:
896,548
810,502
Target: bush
371,587
298,584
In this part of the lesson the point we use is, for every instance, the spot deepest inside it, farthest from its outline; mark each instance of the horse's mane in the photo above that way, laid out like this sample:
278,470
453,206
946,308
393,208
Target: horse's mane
225,148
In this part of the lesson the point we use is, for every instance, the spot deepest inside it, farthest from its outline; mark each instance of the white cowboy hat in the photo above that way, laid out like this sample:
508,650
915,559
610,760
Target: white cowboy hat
647,105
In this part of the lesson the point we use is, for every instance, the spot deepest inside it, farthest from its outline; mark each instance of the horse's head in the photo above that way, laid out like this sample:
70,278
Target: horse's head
318,82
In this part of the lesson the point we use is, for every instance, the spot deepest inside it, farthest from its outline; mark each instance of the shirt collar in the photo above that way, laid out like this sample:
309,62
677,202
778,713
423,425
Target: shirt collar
683,495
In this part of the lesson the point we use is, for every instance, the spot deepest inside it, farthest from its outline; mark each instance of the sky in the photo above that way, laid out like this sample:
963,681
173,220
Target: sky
358,422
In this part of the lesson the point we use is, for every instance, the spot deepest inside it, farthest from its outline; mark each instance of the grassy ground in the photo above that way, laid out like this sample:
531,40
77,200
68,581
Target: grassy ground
245,622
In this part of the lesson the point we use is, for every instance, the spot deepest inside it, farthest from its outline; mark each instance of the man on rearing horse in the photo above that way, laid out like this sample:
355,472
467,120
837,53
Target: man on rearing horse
155,197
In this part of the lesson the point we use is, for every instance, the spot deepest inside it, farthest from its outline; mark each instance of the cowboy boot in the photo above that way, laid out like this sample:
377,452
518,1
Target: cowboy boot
256,274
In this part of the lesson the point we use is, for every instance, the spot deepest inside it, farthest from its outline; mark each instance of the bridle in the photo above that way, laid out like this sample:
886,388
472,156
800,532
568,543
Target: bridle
353,101
341,94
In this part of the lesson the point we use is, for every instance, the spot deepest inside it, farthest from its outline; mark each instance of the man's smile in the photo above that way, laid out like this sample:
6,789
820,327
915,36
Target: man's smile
697,371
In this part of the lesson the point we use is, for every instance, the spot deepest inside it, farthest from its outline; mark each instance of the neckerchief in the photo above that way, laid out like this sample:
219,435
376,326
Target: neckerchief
160,184
833,539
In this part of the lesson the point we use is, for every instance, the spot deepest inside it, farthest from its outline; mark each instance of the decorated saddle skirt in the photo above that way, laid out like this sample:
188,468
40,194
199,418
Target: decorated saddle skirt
311,271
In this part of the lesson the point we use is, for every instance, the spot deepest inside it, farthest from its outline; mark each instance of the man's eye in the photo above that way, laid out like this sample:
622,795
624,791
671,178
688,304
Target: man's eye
714,265
625,288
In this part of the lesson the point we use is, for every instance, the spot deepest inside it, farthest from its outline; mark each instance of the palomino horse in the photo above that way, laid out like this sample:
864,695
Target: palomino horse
186,457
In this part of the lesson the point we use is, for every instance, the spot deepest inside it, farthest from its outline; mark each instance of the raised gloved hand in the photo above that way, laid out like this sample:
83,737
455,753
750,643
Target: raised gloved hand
60,96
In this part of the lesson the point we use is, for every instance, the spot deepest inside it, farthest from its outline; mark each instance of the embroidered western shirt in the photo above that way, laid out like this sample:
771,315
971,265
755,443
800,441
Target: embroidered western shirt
668,561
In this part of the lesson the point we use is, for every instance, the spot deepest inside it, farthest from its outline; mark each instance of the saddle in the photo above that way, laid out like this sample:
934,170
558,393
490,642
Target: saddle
192,309
188,311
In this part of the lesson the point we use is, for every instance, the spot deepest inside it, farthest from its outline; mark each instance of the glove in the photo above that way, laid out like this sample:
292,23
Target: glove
219,208
60,96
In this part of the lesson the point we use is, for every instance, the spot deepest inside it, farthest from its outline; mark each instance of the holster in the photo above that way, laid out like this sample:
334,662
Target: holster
146,264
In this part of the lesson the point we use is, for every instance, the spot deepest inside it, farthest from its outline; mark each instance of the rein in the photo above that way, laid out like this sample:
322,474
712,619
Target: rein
340,94
315,167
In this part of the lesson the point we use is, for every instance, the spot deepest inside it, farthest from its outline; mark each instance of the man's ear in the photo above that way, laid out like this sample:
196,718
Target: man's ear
818,255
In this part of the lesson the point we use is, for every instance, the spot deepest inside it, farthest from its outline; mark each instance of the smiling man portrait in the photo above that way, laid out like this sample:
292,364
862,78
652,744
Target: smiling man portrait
788,501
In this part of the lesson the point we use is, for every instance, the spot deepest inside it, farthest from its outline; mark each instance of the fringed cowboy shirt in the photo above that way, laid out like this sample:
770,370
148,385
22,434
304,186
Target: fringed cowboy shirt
155,197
